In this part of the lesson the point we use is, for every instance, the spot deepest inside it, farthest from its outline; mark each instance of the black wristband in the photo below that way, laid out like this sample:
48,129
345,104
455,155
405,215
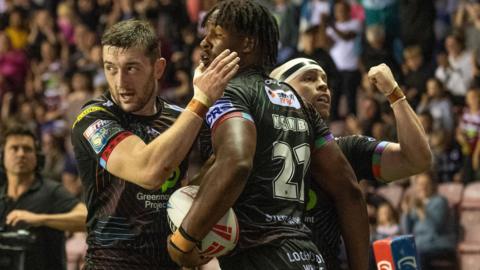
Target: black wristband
187,236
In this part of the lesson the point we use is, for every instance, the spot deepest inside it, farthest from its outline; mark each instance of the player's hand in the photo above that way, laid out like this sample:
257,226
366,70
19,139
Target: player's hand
210,82
17,216
381,76
189,259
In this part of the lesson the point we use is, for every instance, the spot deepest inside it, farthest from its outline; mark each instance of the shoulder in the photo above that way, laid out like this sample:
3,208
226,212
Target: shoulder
96,107
170,108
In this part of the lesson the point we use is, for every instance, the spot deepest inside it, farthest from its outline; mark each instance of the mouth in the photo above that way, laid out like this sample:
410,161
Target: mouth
205,58
323,99
126,96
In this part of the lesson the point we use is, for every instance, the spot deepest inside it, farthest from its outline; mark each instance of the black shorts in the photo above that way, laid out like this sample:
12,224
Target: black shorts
292,254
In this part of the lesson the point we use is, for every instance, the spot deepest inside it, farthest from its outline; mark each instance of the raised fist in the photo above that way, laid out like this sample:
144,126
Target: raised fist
381,76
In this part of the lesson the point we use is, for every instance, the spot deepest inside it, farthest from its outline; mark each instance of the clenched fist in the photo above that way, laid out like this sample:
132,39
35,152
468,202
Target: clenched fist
381,76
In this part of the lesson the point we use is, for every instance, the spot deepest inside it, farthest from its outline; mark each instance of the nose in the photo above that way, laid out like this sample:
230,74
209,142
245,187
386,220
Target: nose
204,44
121,79
322,87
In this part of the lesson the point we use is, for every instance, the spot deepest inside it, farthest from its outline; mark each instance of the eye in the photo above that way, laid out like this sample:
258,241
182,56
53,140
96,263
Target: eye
110,69
132,69
308,78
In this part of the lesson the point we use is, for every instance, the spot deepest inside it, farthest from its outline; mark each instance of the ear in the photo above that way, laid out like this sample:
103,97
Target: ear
248,45
159,67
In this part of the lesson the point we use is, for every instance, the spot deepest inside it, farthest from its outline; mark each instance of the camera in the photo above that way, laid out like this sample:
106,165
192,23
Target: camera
13,246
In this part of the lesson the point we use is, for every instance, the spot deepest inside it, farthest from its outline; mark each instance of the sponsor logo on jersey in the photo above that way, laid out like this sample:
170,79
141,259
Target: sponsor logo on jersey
221,107
100,133
384,265
94,127
171,181
282,98
289,123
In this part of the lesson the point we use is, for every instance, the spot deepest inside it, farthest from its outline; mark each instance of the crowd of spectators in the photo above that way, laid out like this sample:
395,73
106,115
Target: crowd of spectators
51,63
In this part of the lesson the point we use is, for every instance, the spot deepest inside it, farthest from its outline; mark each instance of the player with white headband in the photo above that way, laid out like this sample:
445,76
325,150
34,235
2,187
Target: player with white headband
372,160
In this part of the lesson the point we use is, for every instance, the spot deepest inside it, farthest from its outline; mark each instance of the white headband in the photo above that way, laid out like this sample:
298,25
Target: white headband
293,68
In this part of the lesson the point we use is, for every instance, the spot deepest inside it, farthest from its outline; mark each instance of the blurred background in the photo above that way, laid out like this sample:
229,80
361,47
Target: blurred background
51,64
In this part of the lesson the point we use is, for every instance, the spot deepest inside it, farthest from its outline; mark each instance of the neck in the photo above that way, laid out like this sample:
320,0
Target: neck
19,184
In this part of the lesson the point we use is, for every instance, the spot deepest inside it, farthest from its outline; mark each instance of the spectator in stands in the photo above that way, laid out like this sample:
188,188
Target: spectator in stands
468,19
426,215
387,222
417,25
13,67
451,79
416,73
447,157
438,104
460,59
376,51
344,31
468,134
16,30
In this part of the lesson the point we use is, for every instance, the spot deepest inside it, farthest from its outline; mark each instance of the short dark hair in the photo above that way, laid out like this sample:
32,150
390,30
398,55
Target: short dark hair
133,33
247,17
19,130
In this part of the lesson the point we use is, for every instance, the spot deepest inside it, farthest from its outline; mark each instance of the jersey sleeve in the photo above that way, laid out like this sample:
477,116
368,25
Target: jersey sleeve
236,102
364,154
321,131
96,132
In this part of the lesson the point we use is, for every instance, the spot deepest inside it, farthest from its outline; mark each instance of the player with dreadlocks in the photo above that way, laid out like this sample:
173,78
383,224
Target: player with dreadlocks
264,139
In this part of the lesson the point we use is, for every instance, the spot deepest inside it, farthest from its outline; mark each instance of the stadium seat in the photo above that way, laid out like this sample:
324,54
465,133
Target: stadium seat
471,196
393,193
469,256
469,247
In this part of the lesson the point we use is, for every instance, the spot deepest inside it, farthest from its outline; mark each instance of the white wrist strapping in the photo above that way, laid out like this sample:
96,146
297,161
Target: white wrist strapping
201,97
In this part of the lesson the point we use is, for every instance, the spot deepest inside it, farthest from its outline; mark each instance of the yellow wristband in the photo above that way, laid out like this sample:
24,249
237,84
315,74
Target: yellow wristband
181,242
200,96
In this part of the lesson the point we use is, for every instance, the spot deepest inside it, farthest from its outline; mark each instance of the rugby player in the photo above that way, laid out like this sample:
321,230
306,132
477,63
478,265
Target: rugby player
131,148
264,138
370,159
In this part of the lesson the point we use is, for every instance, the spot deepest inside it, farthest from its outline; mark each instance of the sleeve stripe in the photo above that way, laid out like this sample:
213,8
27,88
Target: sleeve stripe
87,111
322,141
227,116
376,159
111,145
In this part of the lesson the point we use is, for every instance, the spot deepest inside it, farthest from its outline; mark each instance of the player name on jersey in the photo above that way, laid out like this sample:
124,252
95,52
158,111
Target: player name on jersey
289,123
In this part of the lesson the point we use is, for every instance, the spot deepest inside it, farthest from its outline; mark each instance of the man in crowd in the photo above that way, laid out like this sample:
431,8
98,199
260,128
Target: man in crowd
41,207
131,148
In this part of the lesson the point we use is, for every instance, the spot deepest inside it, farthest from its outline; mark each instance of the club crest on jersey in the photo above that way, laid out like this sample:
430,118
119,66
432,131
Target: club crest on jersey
282,98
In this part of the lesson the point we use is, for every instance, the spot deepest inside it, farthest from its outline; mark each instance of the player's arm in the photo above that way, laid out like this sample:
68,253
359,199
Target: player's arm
334,174
411,155
148,165
234,147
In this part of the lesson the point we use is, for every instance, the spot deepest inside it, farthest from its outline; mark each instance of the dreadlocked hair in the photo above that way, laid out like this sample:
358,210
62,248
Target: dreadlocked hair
249,18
